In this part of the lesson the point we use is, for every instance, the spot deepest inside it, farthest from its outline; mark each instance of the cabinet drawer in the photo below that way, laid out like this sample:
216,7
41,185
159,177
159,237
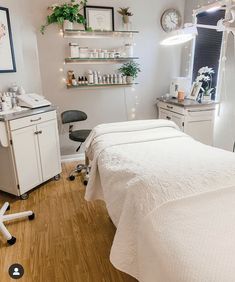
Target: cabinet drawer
207,114
176,118
172,108
32,120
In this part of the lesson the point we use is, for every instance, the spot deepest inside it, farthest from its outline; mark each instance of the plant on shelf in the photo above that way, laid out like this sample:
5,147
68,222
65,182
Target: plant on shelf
205,76
66,13
125,14
130,70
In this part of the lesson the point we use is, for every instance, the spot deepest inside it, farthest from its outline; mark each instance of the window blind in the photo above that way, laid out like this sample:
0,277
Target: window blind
208,45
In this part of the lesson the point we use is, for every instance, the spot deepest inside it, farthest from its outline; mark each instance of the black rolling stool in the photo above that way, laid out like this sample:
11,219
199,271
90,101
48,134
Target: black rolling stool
77,136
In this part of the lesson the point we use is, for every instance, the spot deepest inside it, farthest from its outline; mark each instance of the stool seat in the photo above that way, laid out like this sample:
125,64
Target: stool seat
79,135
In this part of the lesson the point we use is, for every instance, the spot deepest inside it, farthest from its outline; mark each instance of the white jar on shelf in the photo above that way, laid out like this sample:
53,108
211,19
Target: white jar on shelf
111,54
101,54
106,54
83,52
74,50
95,54
129,50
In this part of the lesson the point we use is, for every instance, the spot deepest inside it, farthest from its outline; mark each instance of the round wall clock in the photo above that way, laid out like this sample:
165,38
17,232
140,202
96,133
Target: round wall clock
171,20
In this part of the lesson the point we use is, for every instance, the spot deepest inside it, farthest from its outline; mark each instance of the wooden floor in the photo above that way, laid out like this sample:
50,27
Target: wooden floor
69,240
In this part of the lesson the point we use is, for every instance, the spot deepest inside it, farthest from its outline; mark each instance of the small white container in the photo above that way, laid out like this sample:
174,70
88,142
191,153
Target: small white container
111,54
101,54
95,54
74,50
129,50
83,52
4,107
91,55
106,54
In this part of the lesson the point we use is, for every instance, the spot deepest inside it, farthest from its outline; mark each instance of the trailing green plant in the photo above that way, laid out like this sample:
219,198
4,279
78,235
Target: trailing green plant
67,11
125,12
130,69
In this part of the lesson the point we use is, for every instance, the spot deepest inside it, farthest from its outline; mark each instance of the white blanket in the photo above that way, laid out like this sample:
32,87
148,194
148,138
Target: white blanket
146,177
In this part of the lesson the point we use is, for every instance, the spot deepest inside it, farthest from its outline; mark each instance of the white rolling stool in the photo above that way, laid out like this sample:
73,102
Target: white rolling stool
10,239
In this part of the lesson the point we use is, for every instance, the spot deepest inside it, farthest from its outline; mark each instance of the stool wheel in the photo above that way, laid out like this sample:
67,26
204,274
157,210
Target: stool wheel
11,241
85,182
57,177
8,208
31,217
71,177
24,196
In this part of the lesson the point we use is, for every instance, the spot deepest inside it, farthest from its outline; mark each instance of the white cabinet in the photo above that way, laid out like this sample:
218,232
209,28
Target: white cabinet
27,158
48,143
33,154
195,120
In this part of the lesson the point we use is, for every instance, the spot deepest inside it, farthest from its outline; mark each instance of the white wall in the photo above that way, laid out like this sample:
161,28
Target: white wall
225,121
158,63
25,47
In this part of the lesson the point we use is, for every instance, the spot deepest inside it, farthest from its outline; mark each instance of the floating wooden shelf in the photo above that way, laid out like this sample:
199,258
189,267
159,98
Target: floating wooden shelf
87,86
75,33
98,60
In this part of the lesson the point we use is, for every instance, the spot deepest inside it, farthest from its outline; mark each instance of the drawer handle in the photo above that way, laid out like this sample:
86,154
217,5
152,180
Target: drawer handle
169,107
38,132
168,118
33,120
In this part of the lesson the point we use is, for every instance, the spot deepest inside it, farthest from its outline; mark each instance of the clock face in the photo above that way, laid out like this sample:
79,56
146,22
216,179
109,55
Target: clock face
171,20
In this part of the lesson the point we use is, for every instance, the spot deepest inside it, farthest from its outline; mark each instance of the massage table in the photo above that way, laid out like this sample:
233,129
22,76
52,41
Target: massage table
171,198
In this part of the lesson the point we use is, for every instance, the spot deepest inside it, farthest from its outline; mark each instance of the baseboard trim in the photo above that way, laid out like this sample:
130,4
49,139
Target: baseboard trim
71,158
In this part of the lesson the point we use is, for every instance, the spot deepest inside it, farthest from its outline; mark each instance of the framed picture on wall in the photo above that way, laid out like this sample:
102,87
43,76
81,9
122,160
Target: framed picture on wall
7,57
99,18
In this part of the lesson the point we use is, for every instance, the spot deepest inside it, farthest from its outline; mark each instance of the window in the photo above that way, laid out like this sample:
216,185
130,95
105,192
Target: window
208,45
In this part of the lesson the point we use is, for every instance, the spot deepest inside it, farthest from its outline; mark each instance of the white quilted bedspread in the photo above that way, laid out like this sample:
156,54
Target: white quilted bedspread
171,199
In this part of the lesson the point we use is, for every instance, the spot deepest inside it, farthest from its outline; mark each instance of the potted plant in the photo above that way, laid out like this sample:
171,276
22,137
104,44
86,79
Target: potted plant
125,14
205,76
66,14
130,70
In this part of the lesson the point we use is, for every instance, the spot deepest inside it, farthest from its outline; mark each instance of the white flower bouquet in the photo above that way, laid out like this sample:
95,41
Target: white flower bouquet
205,76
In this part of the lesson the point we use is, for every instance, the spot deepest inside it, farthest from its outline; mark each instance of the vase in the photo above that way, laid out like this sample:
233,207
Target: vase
129,79
125,19
67,25
79,26
207,98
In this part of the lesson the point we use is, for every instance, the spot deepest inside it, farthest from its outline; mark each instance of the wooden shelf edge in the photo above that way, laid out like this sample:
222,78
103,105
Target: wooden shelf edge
92,86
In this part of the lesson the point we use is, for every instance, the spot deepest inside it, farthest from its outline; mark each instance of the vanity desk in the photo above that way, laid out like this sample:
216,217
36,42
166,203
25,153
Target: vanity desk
193,118
29,149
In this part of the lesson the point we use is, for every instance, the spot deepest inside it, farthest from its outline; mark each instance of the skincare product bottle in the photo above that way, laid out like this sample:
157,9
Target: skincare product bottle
74,81
90,77
119,79
100,79
95,78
